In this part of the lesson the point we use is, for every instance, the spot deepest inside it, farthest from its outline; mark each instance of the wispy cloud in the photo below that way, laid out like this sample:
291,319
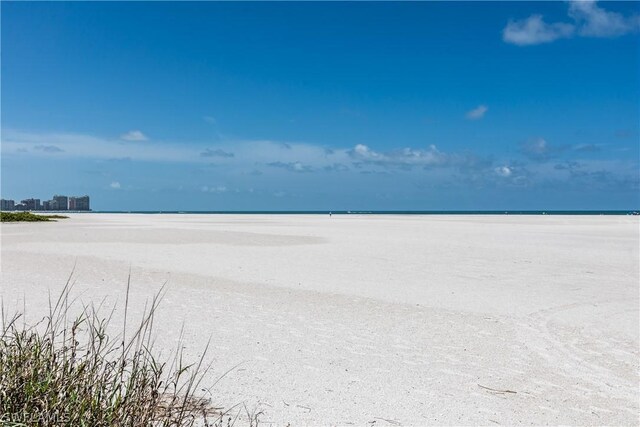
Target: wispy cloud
589,20
291,166
245,153
48,148
134,135
537,149
336,167
214,189
623,133
262,162
218,152
477,113
430,156
74,145
534,30
587,148
594,21
597,174
249,155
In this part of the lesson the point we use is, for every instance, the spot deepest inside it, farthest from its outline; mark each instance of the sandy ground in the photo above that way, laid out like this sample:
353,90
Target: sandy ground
370,320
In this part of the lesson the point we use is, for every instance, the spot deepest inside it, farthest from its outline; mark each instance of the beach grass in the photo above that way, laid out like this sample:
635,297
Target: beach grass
27,217
68,371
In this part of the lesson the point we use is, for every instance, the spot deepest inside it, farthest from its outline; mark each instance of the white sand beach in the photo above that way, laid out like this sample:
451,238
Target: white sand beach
370,320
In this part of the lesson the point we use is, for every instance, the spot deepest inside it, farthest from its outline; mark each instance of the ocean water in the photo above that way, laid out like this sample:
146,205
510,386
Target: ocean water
549,212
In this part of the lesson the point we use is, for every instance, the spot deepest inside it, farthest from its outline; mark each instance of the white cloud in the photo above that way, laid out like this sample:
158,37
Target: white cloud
477,113
597,22
362,152
115,185
503,171
534,30
134,135
210,120
589,21
299,167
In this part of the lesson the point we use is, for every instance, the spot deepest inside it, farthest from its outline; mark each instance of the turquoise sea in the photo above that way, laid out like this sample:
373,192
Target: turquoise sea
550,212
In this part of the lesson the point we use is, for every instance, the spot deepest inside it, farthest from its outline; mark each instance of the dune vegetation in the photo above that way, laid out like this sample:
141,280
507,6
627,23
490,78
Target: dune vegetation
27,217
68,371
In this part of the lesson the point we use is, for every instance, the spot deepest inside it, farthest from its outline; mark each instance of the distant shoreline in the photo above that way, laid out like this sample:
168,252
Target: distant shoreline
514,212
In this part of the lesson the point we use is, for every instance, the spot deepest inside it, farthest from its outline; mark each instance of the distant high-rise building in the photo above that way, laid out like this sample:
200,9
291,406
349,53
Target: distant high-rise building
79,203
7,204
57,203
82,203
32,204
61,203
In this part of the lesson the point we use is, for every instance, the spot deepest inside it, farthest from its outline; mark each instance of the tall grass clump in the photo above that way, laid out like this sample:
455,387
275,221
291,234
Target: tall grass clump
66,371
27,217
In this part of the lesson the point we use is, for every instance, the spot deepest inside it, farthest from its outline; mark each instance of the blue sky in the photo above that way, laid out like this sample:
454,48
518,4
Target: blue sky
328,106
